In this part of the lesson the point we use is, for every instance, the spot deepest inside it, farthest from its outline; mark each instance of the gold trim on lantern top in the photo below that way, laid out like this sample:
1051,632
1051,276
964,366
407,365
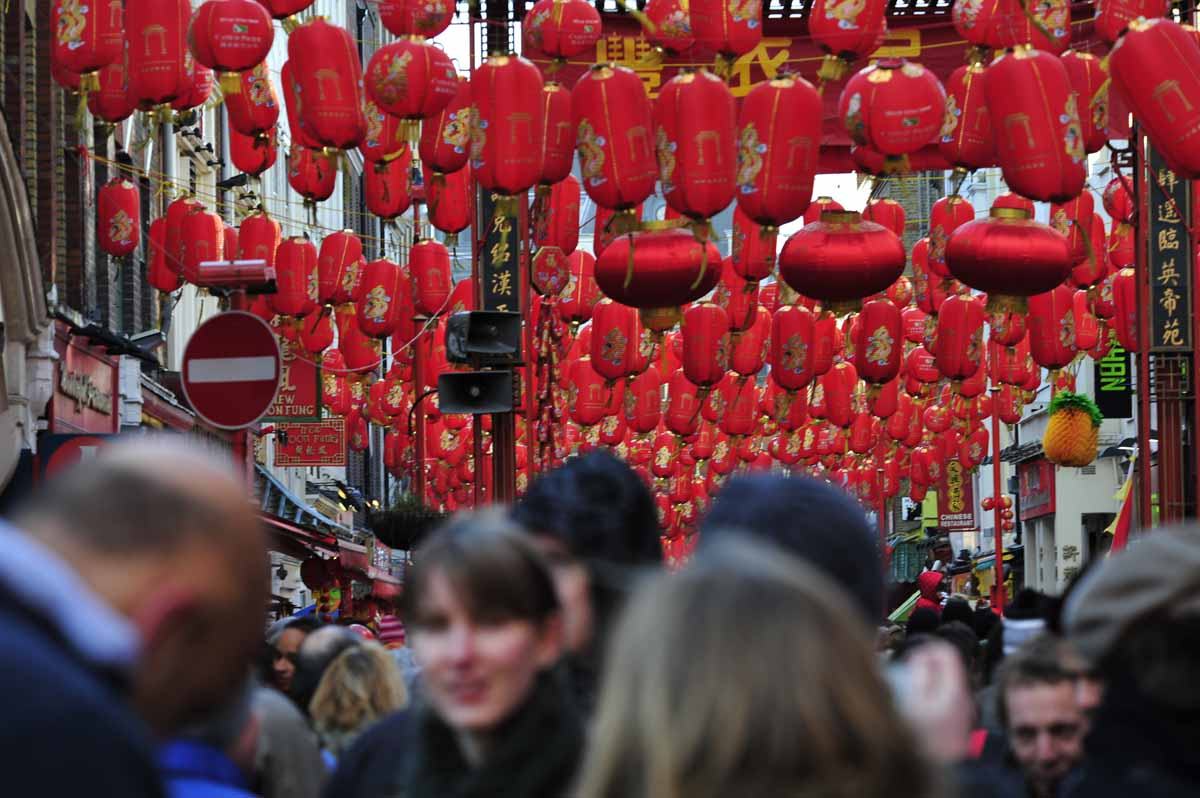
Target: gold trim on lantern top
841,217
1021,214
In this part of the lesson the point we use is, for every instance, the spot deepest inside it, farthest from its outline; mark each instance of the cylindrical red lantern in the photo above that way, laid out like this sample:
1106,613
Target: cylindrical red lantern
87,37
429,264
386,186
329,77
1039,146
643,401
384,140
705,344
383,287
446,135
613,124
158,273
1089,78
1125,320
728,29
792,350
112,103
614,340
966,136
960,337
450,201
1052,327
590,396
556,216
749,350
311,173
340,268
847,32
295,278
841,258
947,215
894,106
119,222
506,130
254,108
203,239
1073,220
581,292
254,155
155,46
694,140
886,212
878,346
316,331
1114,16
753,249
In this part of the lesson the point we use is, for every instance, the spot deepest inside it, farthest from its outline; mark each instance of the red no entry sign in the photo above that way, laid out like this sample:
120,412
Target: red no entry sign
231,369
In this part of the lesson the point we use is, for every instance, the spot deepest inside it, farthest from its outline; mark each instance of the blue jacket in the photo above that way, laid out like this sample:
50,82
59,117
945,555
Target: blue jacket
196,770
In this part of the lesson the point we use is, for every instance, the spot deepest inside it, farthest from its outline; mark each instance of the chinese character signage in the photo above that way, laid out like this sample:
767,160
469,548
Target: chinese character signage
1036,481
956,499
1114,384
322,443
499,258
1170,258
299,397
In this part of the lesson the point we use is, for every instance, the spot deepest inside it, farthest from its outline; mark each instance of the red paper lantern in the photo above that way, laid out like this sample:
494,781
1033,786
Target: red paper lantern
386,186
613,124
878,346
705,344
1052,327
1073,219
111,103
846,32
1089,78
329,78
893,106
258,239
1113,17
966,135
1007,327
1156,68
450,201
670,25
282,9
1125,320
381,298
1039,146
581,292
296,278
202,237
159,273
506,130
839,384
231,36
311,173
727,28
658,268
316,331
694,140
155,46
254,155
416,17
446,135
197,85
411,79
590,396
1014,202
754,250
741,414
886,212
792,348
429,264
1094,266
384,139
119,222
558,141
340,268
1087,326
737,297
947,215
254,108
561,28
841,258
335,393
779,134
684,405
749,348
1008,256
643,401
1121,246
614,339
556,217
291,97
826,341
1118,199
960,337
87,36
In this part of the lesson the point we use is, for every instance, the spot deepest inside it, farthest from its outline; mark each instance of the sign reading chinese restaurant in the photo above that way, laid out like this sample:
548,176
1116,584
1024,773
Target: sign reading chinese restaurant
499,258
1170,258
956,499
322,443
1113,378
299,397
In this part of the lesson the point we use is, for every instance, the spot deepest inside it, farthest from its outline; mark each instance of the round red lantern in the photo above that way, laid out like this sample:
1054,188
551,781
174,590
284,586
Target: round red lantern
1039,146
1051,322
231,36
450,202
966,136
506,134
658,268
386,186
878,346
670,28
1008,256
947,215
416,17
893,106
254,155
1118,199
446,135
119,222
694,141
1156,68
429,264
779,134
841,259
726,28
411,79
1114,16
613,123
111,102
316,331
155,46
754,250
705,344
311,173
295,278
846,32
561,28
87,37
329,78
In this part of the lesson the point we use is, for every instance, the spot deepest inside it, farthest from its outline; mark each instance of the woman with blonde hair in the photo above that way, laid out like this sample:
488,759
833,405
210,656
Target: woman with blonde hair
746,675
360,686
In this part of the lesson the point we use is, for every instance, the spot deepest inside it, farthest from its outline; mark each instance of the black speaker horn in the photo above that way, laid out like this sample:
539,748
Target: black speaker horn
475,392
490,337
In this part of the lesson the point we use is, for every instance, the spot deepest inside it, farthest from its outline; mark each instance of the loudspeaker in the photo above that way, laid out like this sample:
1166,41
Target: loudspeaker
475,392
491,337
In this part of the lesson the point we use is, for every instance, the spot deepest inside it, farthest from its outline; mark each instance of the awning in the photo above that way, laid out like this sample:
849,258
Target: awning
297,541
277,501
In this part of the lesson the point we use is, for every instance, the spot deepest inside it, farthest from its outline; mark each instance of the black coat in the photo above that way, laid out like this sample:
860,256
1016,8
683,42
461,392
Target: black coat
414,755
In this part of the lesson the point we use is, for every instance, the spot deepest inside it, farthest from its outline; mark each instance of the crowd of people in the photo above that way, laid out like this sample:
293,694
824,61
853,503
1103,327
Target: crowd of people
542,651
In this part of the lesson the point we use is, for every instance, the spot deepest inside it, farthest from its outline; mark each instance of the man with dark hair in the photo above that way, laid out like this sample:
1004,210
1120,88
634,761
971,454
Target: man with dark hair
132,585
810,519
1135,622
1041,717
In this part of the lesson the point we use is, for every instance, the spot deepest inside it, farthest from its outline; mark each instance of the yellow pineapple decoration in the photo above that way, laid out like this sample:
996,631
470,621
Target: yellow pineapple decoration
1074,426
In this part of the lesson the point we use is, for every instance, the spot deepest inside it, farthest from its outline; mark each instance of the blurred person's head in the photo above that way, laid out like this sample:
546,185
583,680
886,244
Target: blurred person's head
808,518
594,520
962,637
959,609
360,686
165,533
283,640
921,621
1041,717
692,704
483,620
316,653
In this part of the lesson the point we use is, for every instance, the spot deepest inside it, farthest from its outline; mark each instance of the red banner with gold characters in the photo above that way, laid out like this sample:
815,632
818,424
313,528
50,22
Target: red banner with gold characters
956,499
